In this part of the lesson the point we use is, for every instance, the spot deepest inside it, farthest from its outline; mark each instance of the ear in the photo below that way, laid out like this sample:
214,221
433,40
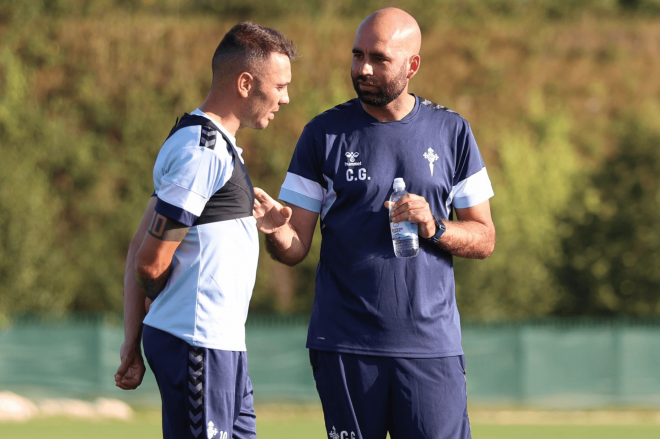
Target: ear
413,66
245,82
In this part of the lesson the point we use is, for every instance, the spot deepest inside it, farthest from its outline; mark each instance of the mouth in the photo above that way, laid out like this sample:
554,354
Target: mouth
367,85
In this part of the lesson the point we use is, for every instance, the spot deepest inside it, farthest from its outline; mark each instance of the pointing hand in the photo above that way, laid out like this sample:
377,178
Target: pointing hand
270,214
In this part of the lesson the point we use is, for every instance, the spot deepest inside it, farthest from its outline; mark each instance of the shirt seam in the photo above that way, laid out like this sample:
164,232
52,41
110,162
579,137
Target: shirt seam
197,294
182,187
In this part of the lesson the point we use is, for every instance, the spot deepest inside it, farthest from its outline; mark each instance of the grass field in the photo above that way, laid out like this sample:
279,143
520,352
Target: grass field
306,425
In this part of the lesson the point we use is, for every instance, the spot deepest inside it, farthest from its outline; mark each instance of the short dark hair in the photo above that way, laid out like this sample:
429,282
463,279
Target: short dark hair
248,44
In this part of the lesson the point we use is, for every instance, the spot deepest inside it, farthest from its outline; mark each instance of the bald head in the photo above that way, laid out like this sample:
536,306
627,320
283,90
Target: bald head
385,58
394,26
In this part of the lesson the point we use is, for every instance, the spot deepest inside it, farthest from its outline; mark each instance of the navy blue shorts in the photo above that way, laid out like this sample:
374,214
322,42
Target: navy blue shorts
206,393
364,396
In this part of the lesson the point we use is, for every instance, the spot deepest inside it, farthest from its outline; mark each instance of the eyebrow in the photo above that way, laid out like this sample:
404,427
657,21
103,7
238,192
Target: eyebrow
375,53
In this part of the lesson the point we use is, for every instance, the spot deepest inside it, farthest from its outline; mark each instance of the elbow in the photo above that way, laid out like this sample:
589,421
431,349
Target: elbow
146,268
489,248
487,252
292,262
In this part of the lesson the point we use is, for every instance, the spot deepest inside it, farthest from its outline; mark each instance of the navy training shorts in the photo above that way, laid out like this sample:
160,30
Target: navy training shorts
365,396
206,393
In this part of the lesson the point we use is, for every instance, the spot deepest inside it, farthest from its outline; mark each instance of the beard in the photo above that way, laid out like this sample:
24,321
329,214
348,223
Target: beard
383,93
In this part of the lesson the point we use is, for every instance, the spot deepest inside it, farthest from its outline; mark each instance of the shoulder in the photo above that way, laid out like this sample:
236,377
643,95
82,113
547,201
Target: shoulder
334,116
196,140
438,111
191,149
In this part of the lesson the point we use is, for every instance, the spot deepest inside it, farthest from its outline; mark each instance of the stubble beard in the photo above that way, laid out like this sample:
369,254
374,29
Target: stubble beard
383,94
256,108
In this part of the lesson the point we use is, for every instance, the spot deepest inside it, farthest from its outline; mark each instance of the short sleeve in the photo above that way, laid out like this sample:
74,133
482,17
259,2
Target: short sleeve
304,185
190,176
471,185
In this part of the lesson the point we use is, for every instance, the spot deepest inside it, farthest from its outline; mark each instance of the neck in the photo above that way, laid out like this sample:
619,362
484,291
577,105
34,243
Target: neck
222,110
395,110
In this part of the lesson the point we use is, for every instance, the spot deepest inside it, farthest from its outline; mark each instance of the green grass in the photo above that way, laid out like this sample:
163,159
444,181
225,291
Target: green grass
565,431
305,427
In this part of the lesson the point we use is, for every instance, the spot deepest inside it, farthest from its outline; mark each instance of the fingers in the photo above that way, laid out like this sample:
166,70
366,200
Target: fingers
129,376
410,207
262,199
261,196
286,212
130,382
122,369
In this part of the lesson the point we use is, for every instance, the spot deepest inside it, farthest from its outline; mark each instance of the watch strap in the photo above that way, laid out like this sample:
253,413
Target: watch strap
441,228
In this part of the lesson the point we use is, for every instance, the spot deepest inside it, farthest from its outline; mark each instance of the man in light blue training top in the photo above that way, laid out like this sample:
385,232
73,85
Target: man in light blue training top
195,253
384,335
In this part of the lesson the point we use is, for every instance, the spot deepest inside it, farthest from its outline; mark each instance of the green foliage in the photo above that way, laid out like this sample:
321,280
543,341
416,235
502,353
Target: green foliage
533,185
612,239
90,88
30,260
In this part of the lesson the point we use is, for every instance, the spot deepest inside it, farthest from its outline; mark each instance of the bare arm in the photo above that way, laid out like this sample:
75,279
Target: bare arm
148,267
153,261
131,370
472,236
289,230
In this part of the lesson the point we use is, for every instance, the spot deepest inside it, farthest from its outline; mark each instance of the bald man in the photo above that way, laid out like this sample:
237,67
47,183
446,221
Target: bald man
384,334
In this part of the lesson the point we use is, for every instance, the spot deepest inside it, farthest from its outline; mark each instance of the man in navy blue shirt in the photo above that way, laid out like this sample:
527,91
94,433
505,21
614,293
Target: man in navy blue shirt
384,335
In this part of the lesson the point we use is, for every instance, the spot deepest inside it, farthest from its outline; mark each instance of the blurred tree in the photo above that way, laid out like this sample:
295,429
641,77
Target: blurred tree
32,274
612,242
90,88
533,185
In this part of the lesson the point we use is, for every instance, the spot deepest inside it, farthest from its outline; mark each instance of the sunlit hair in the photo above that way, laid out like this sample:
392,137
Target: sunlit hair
246,46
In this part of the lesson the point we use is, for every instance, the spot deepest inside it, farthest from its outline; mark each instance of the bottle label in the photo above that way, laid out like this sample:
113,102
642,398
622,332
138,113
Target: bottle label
403,230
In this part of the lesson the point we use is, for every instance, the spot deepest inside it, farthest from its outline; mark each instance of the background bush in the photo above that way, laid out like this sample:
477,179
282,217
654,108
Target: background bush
563,97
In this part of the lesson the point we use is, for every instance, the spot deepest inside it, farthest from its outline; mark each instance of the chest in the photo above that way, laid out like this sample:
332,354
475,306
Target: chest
362,164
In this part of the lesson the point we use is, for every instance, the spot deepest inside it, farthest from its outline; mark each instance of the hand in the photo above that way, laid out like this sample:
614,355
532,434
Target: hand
270,214
415,209
131,370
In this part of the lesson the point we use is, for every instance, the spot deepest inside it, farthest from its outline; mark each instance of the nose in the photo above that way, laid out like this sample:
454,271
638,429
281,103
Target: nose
365,69
284,99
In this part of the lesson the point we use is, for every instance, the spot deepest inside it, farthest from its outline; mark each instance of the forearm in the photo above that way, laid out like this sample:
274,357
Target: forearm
468,239
285,246
134,310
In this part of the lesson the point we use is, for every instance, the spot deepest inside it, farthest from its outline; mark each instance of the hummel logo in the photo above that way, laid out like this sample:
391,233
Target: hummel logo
352,156
432,157
351,159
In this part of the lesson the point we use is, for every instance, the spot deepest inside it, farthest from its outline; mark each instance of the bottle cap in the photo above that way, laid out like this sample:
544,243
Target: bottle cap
399,183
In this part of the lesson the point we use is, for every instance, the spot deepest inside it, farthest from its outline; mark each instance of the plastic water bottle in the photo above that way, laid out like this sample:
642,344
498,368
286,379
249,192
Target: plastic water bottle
404,234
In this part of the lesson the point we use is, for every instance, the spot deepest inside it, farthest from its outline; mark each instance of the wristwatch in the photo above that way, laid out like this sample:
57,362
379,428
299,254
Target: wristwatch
440,229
